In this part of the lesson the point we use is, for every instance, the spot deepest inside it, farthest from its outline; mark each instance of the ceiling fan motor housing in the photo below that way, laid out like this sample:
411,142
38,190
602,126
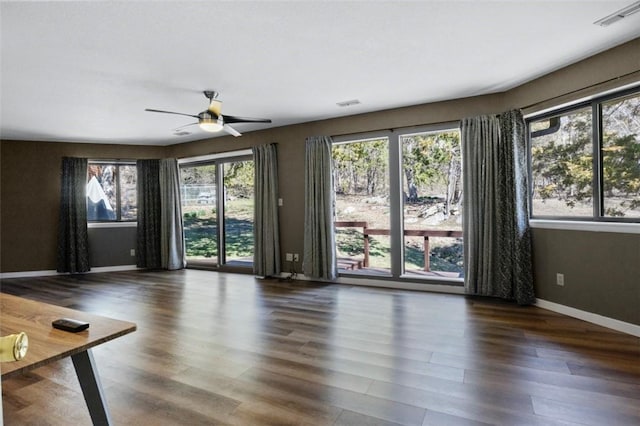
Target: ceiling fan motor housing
210,94
210,122
207,115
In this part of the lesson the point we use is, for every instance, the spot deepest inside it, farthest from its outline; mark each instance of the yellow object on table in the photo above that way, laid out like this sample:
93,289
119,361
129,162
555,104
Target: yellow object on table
13,347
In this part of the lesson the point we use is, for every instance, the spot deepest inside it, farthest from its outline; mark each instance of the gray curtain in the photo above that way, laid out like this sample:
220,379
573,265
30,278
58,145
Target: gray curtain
172,246
266,256
73,240
319,238
497,239
148,253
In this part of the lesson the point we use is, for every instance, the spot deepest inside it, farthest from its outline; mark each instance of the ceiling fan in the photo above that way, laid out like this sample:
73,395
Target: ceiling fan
212,120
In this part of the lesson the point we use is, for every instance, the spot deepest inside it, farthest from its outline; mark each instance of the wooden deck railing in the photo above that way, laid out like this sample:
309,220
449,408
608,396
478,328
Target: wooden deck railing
425,233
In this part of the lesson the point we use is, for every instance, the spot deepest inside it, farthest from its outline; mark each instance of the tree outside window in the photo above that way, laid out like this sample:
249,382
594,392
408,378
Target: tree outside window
582,170
111,192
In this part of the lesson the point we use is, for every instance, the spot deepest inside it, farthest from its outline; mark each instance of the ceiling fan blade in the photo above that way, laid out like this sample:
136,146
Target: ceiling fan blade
186,125
231,130
234,119
170,112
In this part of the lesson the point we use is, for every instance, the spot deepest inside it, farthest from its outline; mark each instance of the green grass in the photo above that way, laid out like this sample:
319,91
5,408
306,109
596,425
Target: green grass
201,227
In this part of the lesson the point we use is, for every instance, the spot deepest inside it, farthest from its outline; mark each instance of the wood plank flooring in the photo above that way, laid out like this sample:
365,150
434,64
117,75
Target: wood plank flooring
216,348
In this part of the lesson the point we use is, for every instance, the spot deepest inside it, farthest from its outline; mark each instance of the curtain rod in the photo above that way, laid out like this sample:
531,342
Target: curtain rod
111,160
388,129
432,127
225,153
602,83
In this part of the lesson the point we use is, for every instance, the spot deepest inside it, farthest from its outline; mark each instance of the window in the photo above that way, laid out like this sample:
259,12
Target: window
398,204
111,192
561,164
217,206
585,161
621,157
432,217
362,206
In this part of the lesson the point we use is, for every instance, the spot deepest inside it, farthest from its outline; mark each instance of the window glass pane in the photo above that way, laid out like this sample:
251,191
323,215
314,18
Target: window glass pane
361,179
562,165
432,192
128,194
102,192
199,212
238,212
621,157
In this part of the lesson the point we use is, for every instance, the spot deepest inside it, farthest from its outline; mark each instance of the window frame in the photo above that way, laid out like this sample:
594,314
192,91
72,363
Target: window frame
597,184
397,271
118,222
219,160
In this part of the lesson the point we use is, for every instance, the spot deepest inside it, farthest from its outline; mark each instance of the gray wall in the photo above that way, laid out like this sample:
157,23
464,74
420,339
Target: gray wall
111,246
601,271
30,198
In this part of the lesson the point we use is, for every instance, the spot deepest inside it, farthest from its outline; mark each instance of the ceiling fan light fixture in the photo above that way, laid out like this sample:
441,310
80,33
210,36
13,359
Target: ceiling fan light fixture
210,125
209,122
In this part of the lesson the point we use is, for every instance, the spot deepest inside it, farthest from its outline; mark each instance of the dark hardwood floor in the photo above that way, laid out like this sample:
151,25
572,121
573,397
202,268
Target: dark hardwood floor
214,348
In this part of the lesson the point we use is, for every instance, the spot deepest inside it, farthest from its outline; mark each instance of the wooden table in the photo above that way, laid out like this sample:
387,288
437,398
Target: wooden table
47,344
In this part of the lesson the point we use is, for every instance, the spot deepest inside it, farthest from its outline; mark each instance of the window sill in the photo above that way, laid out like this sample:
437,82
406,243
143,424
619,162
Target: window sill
112,225
570,225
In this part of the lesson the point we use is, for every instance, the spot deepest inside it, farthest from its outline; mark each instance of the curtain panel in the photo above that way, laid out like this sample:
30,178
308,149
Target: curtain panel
73,239
172,245
319,236
497,239
266,256
148,253
160,238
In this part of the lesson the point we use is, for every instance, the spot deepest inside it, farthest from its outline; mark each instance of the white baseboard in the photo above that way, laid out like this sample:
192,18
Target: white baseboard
28,274
372,282
48,273
614,324
603,321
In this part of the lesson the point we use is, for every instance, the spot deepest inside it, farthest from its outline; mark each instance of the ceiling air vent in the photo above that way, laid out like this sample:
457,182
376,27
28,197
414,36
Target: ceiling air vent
620,14
348,103
181,133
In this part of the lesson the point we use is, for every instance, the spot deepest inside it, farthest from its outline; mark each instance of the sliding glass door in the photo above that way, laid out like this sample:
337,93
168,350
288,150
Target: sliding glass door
199,191
217,208
432,213
398,204
238,212
361,172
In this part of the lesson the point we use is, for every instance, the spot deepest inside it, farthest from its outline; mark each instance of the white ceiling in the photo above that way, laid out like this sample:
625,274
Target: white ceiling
85,71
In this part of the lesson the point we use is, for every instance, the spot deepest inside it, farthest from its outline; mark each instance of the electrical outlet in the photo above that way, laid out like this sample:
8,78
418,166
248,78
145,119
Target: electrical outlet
133,252
289,257
560,279
296,257
280,202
